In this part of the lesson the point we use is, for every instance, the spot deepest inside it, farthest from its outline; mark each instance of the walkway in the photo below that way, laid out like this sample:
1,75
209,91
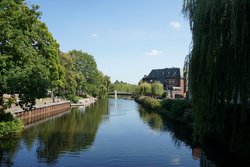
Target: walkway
38,104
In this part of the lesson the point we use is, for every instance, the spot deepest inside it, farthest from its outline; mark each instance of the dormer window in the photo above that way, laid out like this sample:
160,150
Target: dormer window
174,74
168,73
162,74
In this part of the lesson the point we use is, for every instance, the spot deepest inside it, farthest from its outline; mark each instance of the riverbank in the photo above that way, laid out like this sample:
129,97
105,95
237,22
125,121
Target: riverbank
175,109
15,117
180,111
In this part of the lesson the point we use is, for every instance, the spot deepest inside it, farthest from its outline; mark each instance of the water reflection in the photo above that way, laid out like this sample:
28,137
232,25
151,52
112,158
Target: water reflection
72,138
70,133
210,154
152,118
8,149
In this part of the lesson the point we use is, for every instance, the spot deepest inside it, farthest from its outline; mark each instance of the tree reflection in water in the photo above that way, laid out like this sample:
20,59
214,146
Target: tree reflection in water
8,149
71,133
75,132
153,119
209,153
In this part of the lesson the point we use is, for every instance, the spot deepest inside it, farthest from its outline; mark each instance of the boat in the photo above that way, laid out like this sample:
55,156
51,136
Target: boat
128,98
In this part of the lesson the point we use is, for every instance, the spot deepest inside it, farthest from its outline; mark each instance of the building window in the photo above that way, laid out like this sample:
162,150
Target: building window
170,81
173,81
174,74
166,81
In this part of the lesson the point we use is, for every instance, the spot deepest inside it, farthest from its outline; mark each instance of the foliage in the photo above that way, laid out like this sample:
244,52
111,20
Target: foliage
122,87
148,102
85,65
140,82
157,89
178,110
175,109
144,88
103,92
83,96
219,63
82,74
70,83
11,127
29,61
105,82
6,116
72,97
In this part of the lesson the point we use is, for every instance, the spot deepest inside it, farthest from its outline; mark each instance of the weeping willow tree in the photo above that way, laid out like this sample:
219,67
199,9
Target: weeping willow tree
157,89
219,63
104,85
103,92
144,88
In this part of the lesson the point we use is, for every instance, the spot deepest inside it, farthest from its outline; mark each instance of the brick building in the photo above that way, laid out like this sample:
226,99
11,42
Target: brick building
172,79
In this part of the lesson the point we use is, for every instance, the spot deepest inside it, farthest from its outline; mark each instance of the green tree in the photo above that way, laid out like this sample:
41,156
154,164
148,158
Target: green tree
104,87
85,64
70,83
80,80
144,88
122,87
107,82
140,82
157,89
29,62
219,64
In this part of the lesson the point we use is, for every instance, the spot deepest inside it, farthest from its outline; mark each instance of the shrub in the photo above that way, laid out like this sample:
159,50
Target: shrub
71,97
83,96
5,117
10,128
178,110
148,102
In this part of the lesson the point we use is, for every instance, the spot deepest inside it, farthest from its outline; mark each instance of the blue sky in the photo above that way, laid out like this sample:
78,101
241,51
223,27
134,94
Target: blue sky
128,38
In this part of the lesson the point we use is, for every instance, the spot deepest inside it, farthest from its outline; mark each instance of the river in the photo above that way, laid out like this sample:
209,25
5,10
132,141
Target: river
111,133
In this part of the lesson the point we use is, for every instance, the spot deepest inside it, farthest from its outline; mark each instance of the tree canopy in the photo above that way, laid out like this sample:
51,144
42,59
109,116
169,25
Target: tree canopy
157,89
219,61
70,82
122,87
29,62
85,64
144,88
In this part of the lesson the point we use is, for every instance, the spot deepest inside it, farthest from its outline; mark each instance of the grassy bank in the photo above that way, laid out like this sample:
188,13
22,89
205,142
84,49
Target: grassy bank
148,102
174,109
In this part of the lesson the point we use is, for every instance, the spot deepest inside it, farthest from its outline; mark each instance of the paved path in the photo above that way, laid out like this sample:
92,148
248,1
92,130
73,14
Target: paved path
38,104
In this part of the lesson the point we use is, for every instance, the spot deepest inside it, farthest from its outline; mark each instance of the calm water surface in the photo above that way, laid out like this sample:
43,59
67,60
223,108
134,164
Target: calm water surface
108,133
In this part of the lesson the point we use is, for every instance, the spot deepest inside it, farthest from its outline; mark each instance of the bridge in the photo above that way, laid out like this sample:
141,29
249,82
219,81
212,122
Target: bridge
121,93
